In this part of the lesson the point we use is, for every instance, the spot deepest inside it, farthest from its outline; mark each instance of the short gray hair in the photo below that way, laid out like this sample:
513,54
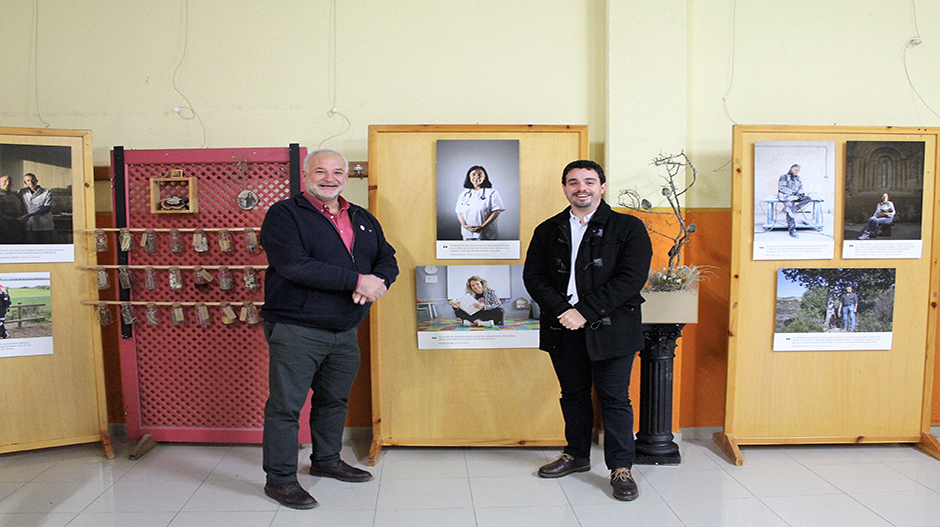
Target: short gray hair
325,151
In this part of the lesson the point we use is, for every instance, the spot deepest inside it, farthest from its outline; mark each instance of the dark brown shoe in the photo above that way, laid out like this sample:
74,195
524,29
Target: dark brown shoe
563,466
291,495
341,471
625,488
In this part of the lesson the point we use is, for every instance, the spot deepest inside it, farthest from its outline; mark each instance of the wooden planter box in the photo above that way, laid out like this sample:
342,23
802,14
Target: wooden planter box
671,307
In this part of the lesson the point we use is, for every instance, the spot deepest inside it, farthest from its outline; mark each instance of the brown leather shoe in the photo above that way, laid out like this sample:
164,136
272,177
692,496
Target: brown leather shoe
564,465
625,488
291,495
341,471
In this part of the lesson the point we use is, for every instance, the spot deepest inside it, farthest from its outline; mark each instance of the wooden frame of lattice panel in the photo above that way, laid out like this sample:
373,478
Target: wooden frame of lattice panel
58,399
192,382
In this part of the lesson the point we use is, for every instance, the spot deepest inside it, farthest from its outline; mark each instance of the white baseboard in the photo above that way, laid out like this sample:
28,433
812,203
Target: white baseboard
358,433
704,432
364,433
709,431
676,436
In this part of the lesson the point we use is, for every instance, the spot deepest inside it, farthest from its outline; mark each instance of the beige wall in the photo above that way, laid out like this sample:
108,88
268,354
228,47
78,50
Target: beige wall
646,76
805,62
646,91
261,73
801,62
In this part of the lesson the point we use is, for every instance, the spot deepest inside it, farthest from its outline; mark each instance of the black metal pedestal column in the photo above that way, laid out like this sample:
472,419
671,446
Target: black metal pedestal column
654,440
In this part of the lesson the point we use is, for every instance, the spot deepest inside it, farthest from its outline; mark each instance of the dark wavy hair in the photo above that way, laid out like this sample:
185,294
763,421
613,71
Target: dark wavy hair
585,164
486,179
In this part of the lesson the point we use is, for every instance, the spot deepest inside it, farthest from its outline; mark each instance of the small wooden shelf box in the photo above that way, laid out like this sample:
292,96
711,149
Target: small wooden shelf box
174,195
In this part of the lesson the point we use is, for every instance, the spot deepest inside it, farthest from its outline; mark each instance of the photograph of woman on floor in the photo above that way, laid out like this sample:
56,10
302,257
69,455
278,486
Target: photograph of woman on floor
480,306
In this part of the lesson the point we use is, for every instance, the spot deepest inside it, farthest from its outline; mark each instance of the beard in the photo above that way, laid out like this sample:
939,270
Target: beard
324,194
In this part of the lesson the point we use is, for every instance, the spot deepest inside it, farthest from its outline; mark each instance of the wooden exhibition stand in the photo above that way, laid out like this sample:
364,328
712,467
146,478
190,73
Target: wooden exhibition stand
58,399
806,397
466,397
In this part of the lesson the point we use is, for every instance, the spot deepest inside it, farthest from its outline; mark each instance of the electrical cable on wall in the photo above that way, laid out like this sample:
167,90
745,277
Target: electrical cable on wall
331,113
189,106
912,43
334,111
36,62
724,99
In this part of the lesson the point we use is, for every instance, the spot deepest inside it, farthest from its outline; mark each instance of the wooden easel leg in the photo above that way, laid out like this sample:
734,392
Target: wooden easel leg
143,446
375,451
729,445
929,444
106,444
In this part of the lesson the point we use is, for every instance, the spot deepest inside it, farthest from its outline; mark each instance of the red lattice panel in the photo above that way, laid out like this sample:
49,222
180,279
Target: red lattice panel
192,378
201,376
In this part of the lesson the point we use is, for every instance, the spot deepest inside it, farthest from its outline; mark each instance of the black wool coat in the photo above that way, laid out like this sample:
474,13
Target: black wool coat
311,275
612,266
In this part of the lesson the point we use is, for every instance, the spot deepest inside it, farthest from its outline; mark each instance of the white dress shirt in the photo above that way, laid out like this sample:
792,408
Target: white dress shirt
578,228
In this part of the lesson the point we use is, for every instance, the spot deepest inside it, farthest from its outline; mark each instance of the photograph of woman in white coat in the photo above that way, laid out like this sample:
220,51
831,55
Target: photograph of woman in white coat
479,206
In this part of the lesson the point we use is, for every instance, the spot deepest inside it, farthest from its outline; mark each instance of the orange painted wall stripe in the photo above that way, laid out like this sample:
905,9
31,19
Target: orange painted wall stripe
702,371
703,348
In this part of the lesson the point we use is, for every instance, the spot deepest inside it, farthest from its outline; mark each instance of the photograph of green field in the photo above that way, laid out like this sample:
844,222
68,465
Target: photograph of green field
29,313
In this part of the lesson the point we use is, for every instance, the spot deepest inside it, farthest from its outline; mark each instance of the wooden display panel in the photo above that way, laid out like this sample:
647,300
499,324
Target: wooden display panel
59,399
491,397
788,397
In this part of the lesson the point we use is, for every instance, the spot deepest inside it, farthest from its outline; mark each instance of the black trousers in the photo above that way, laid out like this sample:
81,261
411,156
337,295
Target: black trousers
495,314
611,379
39,237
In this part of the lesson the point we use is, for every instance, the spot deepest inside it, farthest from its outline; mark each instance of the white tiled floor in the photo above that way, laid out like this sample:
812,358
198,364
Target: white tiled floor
181,485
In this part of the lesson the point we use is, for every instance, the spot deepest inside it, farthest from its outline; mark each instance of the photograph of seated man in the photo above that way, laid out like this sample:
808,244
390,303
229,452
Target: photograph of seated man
790,192
884,192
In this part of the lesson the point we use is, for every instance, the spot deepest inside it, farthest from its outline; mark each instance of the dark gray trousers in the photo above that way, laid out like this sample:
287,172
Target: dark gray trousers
303,359
790,208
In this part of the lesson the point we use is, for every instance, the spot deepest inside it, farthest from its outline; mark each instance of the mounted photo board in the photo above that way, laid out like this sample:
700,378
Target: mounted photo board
822,395
458,397
55,398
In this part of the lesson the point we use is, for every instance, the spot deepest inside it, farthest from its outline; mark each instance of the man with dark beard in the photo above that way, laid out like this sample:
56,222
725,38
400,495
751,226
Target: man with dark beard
585,268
